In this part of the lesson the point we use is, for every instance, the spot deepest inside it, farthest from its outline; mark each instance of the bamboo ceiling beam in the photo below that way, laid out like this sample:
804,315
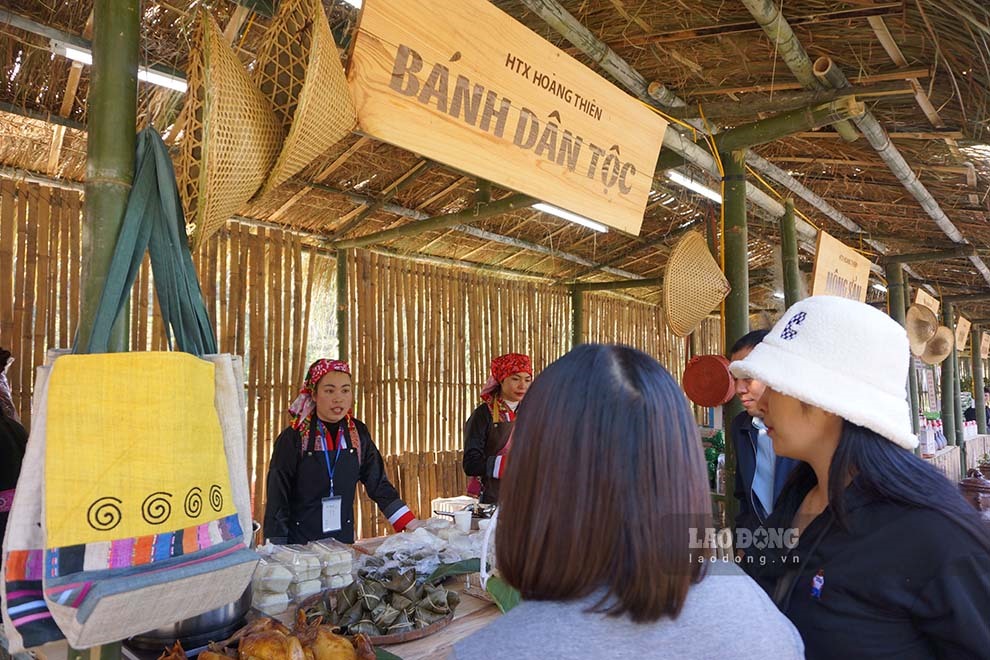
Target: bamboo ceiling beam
947,169
46,117
391,191
966,298
910,135
901,74
749,107
723,29
938,255
921,97
513,202
323,175
443,193
789,123
616,285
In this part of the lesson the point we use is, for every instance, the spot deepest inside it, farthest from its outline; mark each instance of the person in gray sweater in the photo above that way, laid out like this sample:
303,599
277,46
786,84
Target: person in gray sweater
602,508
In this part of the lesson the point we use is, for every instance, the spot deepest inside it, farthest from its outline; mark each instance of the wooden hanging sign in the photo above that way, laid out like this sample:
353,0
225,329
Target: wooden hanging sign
985,345
839,270
927,300
962,332
465,84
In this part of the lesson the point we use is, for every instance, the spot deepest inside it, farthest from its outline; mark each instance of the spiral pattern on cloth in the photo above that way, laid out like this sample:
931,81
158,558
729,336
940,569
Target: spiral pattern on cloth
104,514
193,505
216,497
156,508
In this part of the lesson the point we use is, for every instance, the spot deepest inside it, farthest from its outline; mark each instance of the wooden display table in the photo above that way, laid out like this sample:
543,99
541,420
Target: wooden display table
947,461
975,448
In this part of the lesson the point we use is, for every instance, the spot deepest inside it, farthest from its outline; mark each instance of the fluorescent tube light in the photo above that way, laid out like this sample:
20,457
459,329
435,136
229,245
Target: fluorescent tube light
691,184
354,3
778,295
84,56
573,217
879,287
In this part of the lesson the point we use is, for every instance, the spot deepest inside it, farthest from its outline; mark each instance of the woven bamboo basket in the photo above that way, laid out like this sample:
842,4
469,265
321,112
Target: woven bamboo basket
693,284
299,71
230,136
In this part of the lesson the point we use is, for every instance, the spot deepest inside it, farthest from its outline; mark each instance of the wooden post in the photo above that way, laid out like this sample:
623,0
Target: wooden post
341,305
978,384
577,316
949,382
111,119
789,255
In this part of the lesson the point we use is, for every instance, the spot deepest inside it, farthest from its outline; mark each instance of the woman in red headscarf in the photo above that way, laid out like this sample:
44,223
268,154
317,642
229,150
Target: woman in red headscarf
318,461
486,434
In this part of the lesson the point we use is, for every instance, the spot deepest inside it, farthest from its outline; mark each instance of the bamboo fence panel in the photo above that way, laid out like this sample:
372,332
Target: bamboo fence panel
421,337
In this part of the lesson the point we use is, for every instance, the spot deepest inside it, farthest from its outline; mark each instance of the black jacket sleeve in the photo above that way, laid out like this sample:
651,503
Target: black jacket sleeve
745,518
951,609
281,477
476,464
375,480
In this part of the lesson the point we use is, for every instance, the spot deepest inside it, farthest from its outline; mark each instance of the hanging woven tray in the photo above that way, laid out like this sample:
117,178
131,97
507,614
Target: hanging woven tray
299,71
230,136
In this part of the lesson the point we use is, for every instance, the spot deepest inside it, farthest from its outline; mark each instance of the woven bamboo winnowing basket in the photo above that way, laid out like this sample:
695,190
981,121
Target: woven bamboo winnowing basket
693,284
300,73
230,136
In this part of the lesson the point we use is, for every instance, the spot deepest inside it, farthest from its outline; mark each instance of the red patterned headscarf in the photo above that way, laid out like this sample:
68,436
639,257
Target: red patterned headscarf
503,367
303,407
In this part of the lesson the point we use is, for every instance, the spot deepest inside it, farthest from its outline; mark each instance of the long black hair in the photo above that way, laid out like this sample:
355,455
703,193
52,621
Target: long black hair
885,471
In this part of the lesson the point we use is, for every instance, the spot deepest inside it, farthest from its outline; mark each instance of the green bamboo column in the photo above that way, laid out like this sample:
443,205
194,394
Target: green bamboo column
949,393
896,298
789,255
111,120
342,305
735,240
577,316
978,384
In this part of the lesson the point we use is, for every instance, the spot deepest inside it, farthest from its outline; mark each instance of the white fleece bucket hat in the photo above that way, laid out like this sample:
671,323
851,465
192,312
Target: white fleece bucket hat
842,356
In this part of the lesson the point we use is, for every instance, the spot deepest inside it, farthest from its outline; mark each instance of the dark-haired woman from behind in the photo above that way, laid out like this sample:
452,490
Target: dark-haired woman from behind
604,499
891,562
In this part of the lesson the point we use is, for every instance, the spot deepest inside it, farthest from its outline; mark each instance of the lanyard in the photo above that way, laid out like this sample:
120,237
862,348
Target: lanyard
326,451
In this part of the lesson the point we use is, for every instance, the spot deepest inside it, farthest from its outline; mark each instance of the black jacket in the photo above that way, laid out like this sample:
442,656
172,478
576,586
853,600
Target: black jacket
13,442
298,482
901,583
477,461
744,437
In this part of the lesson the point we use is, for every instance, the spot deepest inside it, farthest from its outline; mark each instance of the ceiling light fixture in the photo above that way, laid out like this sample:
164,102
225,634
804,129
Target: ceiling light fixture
693,185
83,56
573,217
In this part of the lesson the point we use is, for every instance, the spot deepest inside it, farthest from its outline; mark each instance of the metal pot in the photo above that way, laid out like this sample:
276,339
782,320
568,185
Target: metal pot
211,626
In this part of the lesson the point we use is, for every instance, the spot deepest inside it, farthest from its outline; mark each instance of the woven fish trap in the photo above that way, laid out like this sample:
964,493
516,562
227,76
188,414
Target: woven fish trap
300,72
230,136
693,284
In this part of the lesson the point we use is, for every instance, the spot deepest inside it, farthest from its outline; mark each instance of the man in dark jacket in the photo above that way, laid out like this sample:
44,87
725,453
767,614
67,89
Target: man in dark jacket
760,473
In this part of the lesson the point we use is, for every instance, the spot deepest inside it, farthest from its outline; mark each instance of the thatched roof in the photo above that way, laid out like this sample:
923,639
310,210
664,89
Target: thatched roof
706,51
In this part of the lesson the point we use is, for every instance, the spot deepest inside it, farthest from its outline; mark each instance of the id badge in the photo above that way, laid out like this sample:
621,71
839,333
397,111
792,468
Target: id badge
331,514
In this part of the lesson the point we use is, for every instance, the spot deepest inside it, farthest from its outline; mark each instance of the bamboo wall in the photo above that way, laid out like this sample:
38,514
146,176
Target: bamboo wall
421,336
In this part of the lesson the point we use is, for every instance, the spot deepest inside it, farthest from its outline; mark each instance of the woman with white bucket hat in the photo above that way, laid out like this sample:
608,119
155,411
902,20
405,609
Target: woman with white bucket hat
890,561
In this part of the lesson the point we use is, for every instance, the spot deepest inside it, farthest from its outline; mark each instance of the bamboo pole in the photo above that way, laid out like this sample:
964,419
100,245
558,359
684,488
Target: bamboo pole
948,381
75,246
978,382
111,119
41,305
8,224
467,216
789,249
788,123
30,283
51,286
